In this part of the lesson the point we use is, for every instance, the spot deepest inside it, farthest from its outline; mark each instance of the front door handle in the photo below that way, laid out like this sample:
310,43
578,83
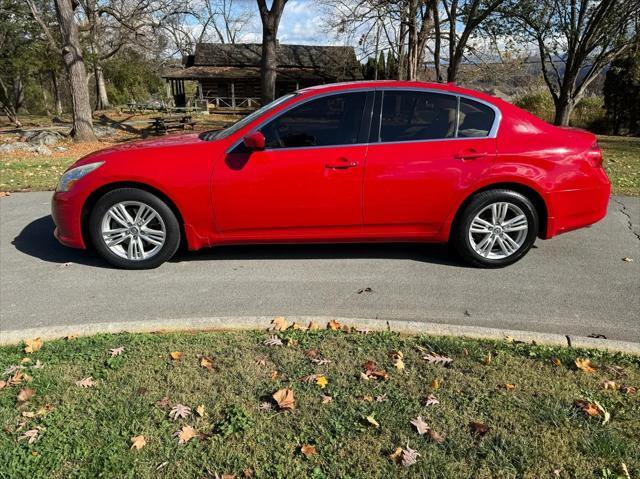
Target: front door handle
470,154
341,164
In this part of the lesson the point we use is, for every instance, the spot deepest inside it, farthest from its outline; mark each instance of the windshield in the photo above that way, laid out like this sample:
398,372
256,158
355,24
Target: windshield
218,134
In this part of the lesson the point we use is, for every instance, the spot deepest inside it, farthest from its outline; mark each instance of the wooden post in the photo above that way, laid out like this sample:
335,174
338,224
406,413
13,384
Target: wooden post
200,95
233,95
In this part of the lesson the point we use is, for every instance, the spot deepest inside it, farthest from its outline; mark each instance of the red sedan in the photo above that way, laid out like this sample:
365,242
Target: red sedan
353,162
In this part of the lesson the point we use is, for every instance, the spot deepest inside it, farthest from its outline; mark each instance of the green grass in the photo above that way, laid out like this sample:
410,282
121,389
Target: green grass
534,429
31,173
622,162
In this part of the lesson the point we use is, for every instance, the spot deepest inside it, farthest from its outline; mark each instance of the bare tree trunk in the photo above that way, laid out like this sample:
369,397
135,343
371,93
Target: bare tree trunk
45,96
72,55
564,107
412,67
269,63
102,99
56,93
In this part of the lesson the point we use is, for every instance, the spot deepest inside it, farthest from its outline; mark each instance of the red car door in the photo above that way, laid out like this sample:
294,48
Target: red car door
429,147
308,179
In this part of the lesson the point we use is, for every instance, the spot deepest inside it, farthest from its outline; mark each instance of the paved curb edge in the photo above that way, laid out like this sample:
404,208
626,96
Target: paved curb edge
261,322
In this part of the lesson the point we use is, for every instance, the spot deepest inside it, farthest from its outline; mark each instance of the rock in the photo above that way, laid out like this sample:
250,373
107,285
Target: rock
102,131
42,150
61,148
18,145
42,137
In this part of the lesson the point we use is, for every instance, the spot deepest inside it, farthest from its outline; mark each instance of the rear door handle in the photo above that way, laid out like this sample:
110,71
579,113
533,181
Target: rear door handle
341,164
470,154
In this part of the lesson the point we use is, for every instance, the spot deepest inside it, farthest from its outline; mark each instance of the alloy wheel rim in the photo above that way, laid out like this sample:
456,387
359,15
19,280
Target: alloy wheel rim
133,230
499,230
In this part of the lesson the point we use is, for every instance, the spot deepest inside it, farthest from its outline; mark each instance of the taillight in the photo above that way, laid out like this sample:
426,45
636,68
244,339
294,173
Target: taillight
595,155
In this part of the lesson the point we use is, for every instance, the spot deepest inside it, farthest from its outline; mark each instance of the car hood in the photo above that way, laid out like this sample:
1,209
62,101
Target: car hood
123,150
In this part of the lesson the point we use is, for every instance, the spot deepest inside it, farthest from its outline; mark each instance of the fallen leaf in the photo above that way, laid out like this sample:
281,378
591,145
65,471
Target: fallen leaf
326,399
25,360
248,473
437,359
71,337
32,345
396,454
409,456
38,365
397,358
298,326
284,398
206,363
87,382
164,402
44,410
479,429
487,359
291,342
261,362
12,369
31,436
629,389
275,375
606,415
585,365
322,381
371,372
273,341
18,378
319,361
421,426
431,400
138,442
4,193
587,407
179,411
313,326
627,259
610,385
435,384
3,384
26,394
117,352
508,387
28,414
364,331
381,398
556,362
185,434
334,325
371,420
265,406
279,324
312,353
308,450
309,378
367,398
176,355
435,437
200,410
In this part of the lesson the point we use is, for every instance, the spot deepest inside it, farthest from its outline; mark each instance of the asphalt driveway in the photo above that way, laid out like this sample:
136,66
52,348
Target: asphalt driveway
575,284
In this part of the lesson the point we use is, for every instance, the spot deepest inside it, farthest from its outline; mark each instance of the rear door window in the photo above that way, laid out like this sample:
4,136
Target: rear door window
476,119
414,116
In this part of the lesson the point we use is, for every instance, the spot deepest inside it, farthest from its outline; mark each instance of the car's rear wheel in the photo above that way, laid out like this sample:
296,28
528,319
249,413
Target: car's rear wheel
496,228
134,229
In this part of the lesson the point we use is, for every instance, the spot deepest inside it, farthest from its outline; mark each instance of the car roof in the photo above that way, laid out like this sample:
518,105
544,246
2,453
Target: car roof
381,84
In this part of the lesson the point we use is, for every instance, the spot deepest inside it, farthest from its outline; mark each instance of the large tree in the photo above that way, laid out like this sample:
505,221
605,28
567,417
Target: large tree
575,40
72,55
268,67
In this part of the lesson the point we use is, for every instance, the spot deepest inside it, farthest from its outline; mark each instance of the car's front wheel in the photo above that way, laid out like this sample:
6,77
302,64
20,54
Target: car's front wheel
134,229
495,229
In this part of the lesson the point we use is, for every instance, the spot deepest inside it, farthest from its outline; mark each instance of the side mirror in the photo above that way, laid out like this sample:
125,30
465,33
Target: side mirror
254,141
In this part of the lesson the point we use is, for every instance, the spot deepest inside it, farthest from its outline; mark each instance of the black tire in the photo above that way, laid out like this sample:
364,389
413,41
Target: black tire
460,230
172,227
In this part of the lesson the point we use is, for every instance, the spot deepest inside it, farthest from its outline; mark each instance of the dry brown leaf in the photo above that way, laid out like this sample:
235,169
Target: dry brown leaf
18,378
487,359
556,361
32,345
334,325
117,352
200,410
31,436
437,359
381,398
87,382
396,454
431,400
629,389
398,360
273,341
298,326
292,343
3,384
179,411
610,385
409,456
308,450
479,428
284,398
372,420
326,399
435,384
313,326
25,394
248,473
164,402
627,259
585,365
508,387
312,353
275,375
279,324
185,434
261,362
421,426
25,360
138,442
37,365
590,409
28,414
435,437
367,397
206,363
175,355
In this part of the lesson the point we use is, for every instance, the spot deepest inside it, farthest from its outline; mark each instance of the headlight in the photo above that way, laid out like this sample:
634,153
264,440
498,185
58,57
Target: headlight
68,179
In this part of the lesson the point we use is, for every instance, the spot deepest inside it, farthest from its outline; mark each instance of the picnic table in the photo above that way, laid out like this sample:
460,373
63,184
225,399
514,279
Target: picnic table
163,124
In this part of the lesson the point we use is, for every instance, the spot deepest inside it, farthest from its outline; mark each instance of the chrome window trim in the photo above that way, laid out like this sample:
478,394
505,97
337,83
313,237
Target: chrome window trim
493,133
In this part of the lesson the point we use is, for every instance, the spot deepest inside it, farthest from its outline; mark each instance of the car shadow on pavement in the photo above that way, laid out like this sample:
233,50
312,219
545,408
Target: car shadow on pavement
37,240
426,253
